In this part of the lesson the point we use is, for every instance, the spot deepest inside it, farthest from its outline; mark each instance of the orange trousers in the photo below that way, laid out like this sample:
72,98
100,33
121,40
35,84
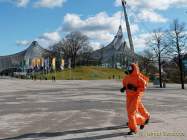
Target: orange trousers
142,110
137,114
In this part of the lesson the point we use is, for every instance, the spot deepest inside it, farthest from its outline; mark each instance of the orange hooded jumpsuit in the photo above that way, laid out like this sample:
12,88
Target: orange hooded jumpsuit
137,114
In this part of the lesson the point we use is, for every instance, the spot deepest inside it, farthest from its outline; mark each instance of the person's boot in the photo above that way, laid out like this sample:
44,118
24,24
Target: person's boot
142,126
131,132
147,121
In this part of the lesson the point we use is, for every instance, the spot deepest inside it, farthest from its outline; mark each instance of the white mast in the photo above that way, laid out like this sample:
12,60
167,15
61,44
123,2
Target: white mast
128,29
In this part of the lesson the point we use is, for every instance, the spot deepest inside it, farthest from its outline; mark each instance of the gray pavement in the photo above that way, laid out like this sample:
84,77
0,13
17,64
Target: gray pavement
86,110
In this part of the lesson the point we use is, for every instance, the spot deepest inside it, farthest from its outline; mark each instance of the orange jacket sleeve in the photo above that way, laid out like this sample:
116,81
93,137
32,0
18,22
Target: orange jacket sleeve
145,78
141,85
124,82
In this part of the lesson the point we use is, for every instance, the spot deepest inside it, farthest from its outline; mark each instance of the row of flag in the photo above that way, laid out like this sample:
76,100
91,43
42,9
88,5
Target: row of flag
46,63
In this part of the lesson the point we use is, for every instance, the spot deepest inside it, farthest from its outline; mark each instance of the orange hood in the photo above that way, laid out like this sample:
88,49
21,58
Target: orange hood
136,70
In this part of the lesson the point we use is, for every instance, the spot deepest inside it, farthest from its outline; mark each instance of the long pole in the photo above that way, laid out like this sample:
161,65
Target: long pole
128,29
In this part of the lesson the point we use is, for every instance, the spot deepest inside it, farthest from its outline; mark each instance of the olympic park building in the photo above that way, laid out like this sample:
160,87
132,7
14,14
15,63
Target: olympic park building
34,58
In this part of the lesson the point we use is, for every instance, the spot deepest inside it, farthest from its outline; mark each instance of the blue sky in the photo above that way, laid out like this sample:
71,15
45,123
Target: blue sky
47,21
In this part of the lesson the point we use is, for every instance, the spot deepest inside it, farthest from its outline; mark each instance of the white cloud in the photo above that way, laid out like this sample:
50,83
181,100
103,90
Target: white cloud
22,42
18,3
37,3
165,4
100,21
103,36
148,9
150,15
49,3
117,3
54,36
95,45
141,40
130,2
22,3
154,4
48,39
99,28
45,40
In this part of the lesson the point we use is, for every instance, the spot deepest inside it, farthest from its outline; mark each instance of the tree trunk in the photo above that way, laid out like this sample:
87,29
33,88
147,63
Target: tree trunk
180,64
73,62
160,71
181,72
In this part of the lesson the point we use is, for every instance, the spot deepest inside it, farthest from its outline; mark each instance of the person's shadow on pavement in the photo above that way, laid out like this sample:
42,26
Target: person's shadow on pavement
58,134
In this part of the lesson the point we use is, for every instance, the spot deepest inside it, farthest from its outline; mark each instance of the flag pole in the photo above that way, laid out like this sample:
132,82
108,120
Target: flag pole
124,3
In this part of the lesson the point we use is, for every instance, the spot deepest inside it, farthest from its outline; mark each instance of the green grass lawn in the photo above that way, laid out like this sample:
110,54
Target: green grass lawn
86,73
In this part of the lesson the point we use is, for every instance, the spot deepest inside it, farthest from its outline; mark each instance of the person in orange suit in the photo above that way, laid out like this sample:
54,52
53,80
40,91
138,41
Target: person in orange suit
134,84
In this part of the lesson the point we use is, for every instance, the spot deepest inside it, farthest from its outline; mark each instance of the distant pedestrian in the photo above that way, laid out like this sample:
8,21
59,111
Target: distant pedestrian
53,78
35,77
113,76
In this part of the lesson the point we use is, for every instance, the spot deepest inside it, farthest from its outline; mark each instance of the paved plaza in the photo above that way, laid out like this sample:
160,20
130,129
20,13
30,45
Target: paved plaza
86,110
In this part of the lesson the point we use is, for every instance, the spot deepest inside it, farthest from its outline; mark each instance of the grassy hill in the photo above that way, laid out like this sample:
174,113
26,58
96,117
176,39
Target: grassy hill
86,73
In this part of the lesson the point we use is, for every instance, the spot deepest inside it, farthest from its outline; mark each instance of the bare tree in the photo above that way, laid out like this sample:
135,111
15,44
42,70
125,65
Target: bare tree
146,61
177,40
159,47
85,55
58,53
72,43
